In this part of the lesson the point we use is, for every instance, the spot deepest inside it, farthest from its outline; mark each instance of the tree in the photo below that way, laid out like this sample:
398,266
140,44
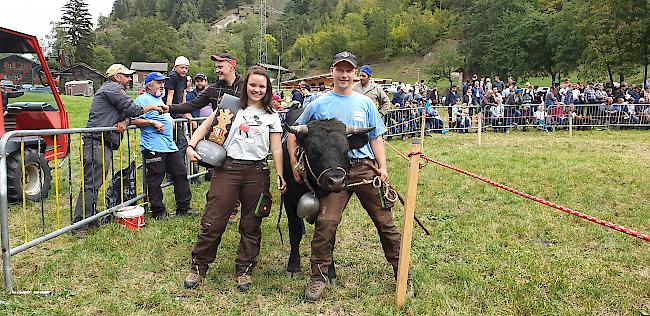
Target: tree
445,61
148,39
121,10
103,58
78,26
211,10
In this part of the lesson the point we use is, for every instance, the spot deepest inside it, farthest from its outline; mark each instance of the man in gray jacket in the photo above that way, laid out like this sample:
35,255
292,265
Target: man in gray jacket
111,106
372,90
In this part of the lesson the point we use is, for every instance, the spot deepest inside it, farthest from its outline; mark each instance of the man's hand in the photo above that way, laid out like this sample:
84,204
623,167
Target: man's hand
383,174
163,108
160,127
121,126
194,156
296,173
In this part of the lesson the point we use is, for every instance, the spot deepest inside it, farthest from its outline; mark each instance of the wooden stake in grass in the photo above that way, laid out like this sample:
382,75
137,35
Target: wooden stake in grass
570,123
409,214
480,128
424,120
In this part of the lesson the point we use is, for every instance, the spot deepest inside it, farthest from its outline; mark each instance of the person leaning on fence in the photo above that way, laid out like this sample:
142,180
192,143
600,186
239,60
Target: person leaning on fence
160,152
256,130
111,106
433,122
372,90
352,109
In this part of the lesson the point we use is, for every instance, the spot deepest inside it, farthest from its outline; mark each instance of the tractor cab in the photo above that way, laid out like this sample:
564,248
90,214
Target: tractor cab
30,100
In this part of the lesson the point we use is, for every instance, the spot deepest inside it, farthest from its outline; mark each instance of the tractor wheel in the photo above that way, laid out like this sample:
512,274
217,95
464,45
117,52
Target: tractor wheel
38,176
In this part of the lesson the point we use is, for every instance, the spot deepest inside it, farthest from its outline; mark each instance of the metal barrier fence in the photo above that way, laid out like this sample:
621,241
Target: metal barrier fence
504,118
38,218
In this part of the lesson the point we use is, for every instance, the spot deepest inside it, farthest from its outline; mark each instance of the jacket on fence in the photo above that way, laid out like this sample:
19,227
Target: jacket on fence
111,105
211,95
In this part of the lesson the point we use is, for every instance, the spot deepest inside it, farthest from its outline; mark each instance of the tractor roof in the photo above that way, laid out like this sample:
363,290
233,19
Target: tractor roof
16,42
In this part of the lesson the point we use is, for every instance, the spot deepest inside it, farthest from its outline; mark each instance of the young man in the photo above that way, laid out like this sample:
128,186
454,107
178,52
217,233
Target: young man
372,90
175,93
160,152
228,82
200,83
307,96
351,108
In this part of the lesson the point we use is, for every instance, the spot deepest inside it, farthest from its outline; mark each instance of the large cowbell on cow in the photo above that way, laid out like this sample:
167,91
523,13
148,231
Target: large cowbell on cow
326,144
211,151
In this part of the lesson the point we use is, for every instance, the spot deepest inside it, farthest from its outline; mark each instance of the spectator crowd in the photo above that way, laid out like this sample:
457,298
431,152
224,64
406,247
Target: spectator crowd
506,105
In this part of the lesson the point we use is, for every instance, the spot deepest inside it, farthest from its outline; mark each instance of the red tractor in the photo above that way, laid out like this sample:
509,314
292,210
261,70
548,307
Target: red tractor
23,60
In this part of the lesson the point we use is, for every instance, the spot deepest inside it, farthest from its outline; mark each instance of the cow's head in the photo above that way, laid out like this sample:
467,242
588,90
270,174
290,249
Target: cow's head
326,143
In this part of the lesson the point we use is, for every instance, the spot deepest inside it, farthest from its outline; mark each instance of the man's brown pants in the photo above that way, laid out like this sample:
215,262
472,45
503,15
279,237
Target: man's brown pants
331,209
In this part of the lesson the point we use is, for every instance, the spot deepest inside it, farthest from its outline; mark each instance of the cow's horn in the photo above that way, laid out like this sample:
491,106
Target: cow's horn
298,129
349,129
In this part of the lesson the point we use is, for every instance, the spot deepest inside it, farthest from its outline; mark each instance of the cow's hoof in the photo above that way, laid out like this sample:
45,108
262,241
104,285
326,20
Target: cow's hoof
333,281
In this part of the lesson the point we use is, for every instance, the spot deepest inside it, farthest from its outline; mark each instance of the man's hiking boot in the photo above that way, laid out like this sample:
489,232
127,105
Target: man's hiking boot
244,282
193,280
314,290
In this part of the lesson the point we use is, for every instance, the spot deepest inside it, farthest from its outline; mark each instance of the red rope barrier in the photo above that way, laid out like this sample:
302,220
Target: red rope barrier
590,218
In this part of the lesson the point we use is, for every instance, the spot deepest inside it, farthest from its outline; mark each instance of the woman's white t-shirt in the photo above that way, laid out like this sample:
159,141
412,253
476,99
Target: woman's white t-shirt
249,136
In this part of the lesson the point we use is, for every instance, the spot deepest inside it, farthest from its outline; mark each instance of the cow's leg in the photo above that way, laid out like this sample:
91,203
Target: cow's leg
296,229
331,270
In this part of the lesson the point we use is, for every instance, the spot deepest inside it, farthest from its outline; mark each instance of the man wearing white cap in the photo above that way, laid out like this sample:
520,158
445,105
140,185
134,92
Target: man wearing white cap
111,106
175,93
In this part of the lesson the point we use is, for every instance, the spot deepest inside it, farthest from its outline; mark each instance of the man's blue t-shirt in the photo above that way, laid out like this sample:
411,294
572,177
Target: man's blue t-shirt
356,110
150,138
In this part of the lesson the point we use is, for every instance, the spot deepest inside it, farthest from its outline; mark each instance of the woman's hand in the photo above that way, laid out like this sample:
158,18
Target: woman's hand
192,154
282,185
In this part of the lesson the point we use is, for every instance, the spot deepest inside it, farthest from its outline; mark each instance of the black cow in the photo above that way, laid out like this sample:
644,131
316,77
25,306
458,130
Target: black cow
325,143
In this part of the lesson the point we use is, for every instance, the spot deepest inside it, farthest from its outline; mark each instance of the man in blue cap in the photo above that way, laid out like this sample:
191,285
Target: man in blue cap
372,90
160,152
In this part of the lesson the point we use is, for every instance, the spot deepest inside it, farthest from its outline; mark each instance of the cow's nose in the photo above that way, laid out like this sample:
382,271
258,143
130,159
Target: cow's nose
336,183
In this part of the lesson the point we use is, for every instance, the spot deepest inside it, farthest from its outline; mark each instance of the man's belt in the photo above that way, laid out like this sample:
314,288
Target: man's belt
361,160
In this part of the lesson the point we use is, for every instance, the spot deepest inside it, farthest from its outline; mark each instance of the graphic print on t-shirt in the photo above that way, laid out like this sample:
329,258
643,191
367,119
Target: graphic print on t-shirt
250,126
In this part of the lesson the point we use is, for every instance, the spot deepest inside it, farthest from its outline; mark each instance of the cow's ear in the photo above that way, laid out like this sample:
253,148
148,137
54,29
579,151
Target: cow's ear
356,141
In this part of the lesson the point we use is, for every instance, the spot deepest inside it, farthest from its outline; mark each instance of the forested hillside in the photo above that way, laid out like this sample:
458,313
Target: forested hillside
605,39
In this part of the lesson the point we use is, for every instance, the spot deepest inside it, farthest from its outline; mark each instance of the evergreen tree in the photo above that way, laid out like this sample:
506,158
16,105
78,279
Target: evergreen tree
76,21
121,10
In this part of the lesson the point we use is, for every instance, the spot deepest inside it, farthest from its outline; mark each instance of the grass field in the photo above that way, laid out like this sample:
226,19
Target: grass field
490,252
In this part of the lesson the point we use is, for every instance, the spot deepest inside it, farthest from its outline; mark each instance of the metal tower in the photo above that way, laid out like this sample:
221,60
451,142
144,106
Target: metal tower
263,51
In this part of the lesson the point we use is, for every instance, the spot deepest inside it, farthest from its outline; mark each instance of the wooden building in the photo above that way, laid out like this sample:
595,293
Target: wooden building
142,69
81,72
19,70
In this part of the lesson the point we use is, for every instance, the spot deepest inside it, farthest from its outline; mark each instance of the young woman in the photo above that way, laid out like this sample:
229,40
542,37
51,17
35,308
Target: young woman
244,176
